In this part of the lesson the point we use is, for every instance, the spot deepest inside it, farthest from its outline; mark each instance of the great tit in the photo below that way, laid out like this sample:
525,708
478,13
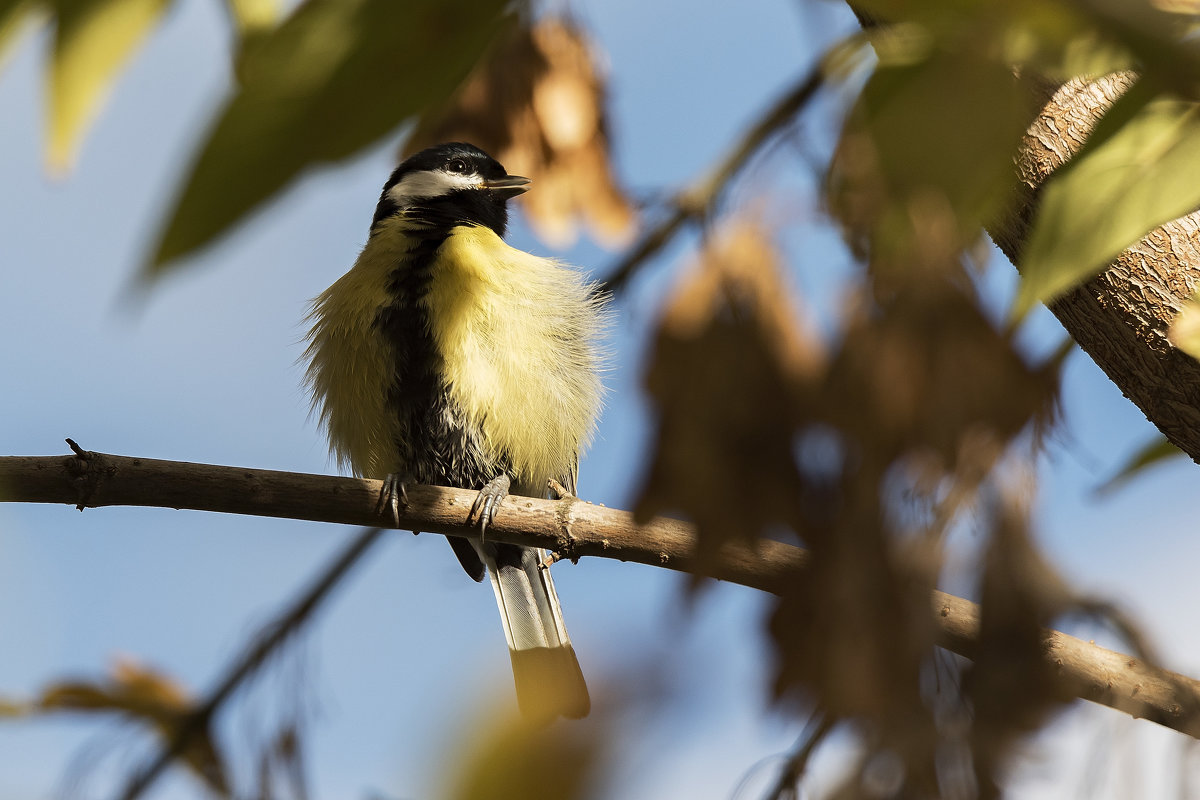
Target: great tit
446,357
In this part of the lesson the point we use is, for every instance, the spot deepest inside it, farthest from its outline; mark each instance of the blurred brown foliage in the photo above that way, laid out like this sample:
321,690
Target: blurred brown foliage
866,450
537,105
728,378
1012,688
143,695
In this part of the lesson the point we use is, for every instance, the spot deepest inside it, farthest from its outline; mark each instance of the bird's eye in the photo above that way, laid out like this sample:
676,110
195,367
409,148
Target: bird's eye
457,166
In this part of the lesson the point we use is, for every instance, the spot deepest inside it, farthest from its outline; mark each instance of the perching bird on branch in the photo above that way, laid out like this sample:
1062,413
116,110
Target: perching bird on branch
447,357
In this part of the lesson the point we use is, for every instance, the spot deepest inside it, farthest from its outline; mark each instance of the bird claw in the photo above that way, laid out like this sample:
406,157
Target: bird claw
488,501
392,495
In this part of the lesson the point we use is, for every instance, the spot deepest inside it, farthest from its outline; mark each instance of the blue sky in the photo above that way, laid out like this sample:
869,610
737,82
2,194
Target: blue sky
399,667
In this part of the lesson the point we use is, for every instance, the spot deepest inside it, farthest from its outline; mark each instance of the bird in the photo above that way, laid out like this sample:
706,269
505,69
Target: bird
445,356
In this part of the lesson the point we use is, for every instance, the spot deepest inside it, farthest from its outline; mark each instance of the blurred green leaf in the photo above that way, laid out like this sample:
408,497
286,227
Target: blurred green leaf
333,78
254,16
1143,173
1184,332
14,16
926,156
507,757
1062,40
1164,52
94,38
1152,452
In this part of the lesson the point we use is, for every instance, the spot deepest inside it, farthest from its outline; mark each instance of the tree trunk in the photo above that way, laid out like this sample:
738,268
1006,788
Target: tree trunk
1120,317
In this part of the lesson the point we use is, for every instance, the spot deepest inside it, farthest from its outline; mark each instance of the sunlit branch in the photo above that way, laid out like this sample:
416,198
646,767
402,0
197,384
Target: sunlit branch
572,528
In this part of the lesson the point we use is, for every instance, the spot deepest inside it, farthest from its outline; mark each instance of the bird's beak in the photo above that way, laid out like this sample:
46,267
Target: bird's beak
508,186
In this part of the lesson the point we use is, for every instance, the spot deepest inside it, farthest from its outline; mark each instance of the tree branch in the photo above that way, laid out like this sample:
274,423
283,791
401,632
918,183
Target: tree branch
693,202
572,528
1119,318
250,660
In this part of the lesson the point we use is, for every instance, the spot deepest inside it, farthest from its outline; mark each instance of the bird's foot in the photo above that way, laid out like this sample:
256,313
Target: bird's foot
488,501
392,496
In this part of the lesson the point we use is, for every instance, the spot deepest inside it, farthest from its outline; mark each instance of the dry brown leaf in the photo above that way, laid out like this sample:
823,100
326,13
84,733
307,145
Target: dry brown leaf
741,270
564,105
145,695
928,373
730,366
1012,686
924,394
852,632
134,689
537,104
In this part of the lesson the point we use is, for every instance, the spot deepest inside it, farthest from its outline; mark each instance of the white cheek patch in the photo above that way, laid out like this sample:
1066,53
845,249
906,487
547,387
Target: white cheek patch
426,184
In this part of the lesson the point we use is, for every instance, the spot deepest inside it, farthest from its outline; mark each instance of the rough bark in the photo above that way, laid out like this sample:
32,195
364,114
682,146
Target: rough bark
1120,317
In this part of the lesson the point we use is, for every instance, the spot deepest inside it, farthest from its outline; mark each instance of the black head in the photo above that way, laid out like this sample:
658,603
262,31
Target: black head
450,184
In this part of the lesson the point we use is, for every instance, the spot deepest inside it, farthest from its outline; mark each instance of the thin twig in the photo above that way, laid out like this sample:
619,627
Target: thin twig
694,202
273,635
819,725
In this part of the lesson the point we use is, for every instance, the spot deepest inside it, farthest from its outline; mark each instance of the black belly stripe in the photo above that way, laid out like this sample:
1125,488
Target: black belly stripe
436,444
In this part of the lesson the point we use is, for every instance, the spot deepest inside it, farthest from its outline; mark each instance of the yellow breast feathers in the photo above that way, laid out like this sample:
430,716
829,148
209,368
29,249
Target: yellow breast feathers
519,338
351,364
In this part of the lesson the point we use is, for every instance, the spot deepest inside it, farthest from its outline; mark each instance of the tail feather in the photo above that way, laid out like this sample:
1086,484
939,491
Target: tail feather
550,683
547,675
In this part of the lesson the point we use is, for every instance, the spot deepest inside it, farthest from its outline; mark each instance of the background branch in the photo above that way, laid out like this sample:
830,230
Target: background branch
1120,317
247,664
573,529
693,203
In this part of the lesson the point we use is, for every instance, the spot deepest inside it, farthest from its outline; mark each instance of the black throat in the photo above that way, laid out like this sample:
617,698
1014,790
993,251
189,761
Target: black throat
435,444
434,217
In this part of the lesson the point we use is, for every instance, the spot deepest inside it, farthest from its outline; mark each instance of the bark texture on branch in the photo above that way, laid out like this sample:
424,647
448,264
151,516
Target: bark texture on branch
1120,317
573,528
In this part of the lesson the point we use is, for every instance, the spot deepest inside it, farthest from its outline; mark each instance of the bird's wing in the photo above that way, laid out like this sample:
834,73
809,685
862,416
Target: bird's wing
467,557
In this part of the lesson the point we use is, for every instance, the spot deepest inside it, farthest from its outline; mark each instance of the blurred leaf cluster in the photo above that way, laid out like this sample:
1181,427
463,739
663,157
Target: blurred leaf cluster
865,451
155,702
140,694
536,103
915,415
867,447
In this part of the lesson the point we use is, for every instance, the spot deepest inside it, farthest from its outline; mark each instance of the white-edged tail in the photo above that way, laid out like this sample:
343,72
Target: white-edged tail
547,675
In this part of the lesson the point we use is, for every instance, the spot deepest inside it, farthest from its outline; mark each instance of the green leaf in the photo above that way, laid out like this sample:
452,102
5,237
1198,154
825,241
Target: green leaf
94,38
335,77
14,19
1156,450
1184,332
1064,40
254,16
1144,170
926,155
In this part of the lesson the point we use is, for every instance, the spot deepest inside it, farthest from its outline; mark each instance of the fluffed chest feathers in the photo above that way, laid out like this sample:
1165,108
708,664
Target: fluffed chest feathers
517,339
